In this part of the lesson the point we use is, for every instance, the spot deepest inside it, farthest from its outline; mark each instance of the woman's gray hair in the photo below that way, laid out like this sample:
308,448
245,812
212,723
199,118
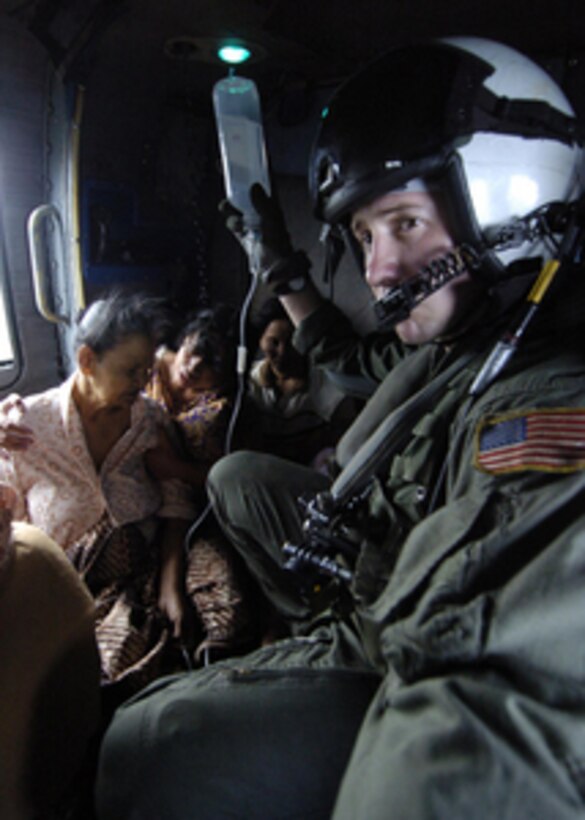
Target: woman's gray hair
115,317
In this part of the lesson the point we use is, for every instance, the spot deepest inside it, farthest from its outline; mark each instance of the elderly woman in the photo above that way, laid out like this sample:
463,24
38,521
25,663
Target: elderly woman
75,458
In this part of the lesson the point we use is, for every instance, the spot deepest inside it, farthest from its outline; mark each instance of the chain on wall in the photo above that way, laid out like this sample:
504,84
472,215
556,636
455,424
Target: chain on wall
180,160
57,278
197,162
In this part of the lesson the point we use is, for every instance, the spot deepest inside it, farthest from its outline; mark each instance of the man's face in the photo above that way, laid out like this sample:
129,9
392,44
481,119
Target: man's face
399,233
276,345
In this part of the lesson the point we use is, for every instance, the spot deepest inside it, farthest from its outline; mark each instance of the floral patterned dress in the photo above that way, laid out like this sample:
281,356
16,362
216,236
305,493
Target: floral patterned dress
106,520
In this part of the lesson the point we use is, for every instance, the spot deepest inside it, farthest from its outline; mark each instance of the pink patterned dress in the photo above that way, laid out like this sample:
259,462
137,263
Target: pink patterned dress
107,521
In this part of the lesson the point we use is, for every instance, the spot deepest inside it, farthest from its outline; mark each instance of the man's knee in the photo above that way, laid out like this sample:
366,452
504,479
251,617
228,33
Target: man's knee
253,468
224,470
245,743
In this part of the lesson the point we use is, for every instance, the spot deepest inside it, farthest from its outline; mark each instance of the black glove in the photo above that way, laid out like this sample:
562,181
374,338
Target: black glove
268,247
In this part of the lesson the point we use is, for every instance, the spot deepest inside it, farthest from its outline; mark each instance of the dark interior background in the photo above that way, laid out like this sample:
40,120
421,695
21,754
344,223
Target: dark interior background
150,180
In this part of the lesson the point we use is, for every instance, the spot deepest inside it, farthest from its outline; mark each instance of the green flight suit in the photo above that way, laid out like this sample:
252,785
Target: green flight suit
469,615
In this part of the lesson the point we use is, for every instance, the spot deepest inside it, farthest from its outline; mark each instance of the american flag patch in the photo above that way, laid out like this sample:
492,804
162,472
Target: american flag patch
551,439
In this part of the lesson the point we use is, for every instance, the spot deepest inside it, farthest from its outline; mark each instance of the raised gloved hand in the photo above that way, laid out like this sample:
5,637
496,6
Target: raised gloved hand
270,252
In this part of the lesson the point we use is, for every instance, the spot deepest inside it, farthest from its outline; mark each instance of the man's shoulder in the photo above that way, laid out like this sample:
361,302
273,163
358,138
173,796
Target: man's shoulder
543,371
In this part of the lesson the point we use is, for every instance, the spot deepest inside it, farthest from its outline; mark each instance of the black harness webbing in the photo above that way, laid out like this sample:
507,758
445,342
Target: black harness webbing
391,435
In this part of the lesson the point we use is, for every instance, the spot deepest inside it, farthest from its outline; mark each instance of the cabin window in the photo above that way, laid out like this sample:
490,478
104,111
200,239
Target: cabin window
8,357
6,348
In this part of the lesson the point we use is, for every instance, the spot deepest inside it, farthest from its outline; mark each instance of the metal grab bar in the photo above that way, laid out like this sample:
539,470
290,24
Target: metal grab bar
39,277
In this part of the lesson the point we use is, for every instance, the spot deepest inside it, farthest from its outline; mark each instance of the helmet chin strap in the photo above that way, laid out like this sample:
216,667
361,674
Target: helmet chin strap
398,303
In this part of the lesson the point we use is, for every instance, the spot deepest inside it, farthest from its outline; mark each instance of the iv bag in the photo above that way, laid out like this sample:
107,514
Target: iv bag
238,118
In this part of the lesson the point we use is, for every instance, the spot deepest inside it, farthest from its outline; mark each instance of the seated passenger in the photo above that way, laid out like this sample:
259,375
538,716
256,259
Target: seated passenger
49,672
296,410
195,386
446,679
74,457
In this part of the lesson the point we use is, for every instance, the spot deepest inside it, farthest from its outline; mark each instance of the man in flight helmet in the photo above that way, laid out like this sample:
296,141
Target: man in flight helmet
433,588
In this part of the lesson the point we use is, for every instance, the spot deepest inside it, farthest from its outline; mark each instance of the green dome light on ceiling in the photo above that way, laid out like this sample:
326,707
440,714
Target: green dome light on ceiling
234,54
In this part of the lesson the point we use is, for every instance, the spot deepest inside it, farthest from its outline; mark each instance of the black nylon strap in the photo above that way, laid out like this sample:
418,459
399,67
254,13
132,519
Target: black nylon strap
529,118
391,434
